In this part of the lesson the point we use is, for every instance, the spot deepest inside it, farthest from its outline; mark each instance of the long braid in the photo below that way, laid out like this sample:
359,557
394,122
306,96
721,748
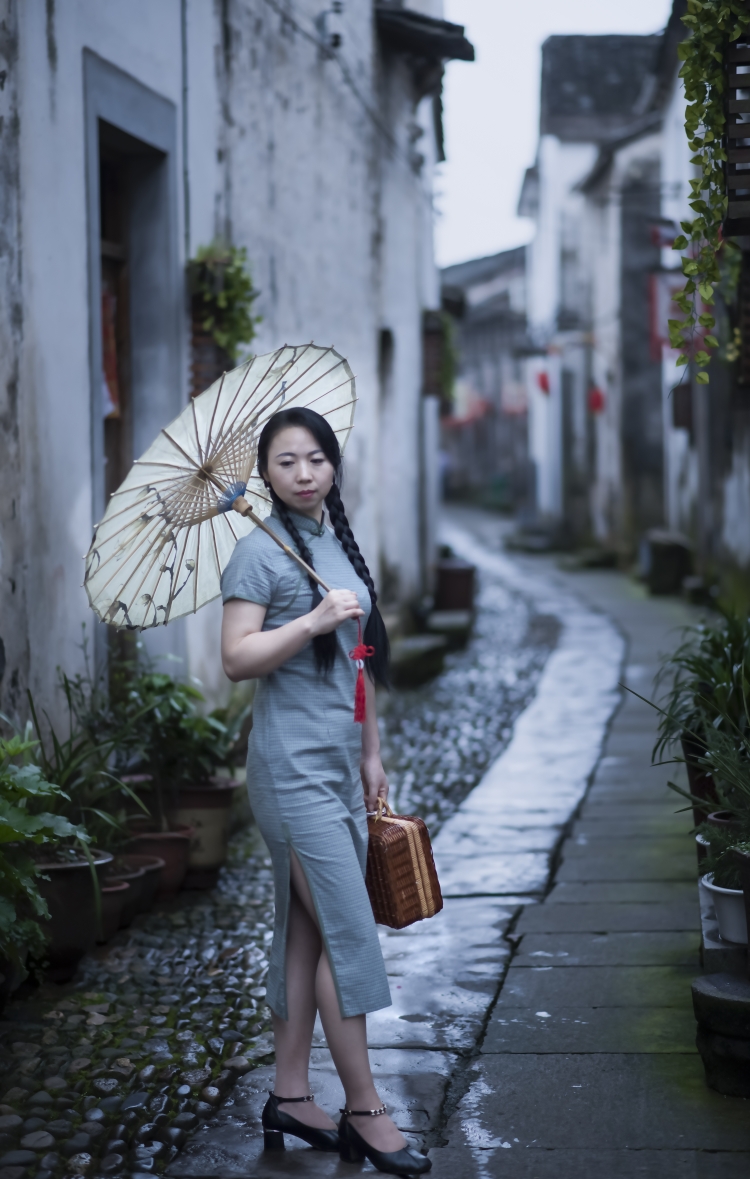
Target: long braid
375,633
324,646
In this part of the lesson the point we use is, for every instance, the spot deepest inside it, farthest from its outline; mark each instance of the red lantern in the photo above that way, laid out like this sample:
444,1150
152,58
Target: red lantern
596,399
542,380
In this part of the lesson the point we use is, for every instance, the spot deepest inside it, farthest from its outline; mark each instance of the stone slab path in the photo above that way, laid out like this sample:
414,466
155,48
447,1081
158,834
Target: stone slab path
588,1064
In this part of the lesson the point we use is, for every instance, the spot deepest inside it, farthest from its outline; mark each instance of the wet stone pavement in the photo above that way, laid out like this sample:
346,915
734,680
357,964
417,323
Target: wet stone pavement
540,1025
110,1074
116,1072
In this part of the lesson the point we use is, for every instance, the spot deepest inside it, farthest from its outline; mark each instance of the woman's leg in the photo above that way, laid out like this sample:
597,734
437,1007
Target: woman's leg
293,1036
347,1040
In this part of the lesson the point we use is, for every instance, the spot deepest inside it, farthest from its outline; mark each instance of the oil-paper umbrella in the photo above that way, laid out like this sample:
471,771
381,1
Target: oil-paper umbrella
170,528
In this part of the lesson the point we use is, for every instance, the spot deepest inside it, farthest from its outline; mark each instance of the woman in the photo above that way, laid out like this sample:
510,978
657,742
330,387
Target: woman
308,766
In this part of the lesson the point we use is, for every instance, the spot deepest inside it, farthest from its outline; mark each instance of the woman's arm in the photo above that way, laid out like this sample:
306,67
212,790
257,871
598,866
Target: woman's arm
247,651
374,781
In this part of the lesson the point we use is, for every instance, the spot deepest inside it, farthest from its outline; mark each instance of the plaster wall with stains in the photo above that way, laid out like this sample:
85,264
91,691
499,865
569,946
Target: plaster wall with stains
320,165
14,652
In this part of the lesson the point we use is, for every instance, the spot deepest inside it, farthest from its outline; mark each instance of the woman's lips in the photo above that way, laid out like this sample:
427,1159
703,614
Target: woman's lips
305,494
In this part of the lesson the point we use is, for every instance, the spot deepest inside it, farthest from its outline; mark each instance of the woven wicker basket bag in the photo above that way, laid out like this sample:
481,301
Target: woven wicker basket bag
401,879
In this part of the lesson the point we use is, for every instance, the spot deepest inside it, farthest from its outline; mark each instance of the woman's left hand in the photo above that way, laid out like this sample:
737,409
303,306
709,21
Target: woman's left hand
374,781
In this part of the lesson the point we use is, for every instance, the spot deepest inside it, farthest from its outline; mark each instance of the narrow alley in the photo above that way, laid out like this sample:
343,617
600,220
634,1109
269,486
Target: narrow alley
554,988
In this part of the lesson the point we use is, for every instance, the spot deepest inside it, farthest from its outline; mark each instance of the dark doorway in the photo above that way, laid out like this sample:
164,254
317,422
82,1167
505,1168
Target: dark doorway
136,283
115,319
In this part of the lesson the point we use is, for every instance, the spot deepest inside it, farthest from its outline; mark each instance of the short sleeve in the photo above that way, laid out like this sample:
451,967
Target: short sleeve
251,573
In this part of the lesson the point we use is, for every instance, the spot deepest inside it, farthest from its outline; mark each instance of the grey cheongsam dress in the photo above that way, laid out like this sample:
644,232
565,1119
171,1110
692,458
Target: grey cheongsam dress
303,766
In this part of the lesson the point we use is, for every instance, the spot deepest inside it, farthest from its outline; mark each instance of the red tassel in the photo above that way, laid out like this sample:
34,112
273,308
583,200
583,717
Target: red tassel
360,708
359,654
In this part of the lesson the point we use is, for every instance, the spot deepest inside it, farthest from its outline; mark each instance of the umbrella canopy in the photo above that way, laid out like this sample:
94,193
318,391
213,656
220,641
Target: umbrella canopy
171,527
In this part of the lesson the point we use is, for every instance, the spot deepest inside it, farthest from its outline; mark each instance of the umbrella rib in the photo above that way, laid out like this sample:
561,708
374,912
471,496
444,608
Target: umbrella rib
149,483
272,393
229,526
335,389
213,413
159,463
116,553
299,392
216,550
110,536
195,581
176,444
139,587
155,557
171,595
197,435
265,404
231,405
143,505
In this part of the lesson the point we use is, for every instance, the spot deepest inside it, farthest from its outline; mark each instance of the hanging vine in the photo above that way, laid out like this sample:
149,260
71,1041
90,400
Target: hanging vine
708,260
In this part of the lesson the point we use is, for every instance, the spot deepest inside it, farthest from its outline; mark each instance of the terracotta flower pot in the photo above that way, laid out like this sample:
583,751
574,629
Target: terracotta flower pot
114,898
152,868
206,809
132,872
454,584
173,847
701,784
73,924
725,819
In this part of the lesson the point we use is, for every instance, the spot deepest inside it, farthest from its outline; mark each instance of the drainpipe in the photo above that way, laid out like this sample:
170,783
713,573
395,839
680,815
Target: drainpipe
185,173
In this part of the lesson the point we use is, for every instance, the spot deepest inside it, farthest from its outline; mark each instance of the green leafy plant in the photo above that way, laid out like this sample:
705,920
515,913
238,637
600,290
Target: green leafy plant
705,682
720,860
29,823
223,293
708,261
84,763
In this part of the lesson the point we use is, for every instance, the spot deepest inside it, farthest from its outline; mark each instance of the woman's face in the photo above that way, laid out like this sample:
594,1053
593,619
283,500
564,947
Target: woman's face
299,471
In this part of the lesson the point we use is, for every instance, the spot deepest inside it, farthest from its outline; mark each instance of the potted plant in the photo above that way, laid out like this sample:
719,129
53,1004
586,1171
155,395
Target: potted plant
723,880
706,681
727,759
36,843
222,295
182,757
95,798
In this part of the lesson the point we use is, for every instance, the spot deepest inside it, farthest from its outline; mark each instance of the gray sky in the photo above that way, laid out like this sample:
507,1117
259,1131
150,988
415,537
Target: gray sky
492,110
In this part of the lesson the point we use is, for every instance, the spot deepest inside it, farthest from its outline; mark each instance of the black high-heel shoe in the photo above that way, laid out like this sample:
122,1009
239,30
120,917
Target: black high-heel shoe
354,1149
276,1123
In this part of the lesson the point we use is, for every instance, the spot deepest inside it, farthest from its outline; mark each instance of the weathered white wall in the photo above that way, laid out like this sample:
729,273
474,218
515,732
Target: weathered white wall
14,652
608,505
561,167
333,206
681,474
561,217
55,378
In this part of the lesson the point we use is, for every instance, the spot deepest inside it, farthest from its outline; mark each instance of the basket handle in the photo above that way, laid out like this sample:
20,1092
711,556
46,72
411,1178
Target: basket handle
382,808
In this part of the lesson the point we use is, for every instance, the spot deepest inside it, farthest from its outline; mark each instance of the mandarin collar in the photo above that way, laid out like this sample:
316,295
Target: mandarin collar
303,523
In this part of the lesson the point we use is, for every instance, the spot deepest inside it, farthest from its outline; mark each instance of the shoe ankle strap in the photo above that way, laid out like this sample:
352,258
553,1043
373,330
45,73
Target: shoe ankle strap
364,1113
287,1100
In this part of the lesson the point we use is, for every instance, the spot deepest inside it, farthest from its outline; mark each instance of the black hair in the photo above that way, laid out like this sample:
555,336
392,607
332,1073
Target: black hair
325,646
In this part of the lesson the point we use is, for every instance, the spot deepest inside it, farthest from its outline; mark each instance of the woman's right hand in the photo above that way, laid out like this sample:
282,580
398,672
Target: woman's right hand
337,606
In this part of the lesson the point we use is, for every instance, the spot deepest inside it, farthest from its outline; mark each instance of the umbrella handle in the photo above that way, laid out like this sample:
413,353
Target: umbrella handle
241,505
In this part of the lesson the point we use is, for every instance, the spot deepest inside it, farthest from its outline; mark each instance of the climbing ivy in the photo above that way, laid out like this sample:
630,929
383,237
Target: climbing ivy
708,259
